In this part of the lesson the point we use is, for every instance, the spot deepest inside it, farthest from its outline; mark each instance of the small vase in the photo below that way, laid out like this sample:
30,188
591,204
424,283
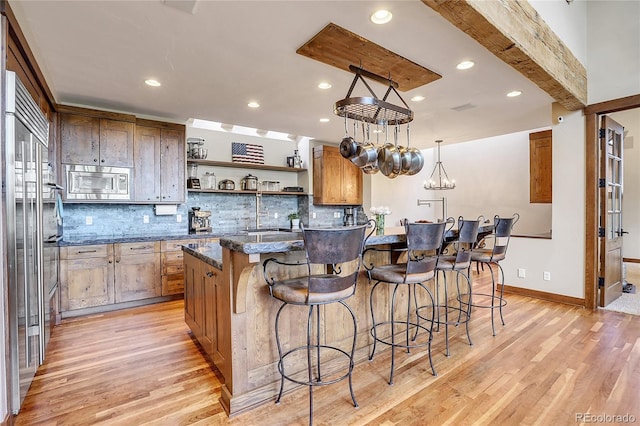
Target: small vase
295,223
379,224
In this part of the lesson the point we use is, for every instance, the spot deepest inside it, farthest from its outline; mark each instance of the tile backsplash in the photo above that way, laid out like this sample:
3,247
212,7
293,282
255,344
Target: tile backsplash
229,213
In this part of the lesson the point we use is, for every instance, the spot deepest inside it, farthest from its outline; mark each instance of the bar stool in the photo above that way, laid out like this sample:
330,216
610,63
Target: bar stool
489,256
423,241
459,262
340,251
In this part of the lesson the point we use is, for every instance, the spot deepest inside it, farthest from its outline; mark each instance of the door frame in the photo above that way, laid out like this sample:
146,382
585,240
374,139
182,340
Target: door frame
592,172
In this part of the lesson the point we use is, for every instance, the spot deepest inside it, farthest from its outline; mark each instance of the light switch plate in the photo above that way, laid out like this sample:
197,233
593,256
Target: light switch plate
522,273
88,220
546,276
178,218
145,218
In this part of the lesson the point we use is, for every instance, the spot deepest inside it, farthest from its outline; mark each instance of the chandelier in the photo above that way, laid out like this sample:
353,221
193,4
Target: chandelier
441,179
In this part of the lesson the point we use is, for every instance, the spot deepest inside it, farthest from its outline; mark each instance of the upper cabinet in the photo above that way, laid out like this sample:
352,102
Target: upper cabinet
159,158
336,180
91,140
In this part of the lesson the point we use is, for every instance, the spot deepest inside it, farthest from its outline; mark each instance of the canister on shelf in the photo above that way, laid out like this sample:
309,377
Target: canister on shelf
209,180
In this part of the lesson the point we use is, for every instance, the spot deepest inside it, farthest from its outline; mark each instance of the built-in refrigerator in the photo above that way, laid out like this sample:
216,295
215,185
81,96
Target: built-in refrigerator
27,188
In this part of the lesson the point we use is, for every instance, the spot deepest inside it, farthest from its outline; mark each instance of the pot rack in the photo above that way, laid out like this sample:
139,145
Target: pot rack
373,109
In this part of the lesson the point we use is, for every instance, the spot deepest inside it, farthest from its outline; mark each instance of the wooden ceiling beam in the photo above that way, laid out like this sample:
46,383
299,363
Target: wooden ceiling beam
514,32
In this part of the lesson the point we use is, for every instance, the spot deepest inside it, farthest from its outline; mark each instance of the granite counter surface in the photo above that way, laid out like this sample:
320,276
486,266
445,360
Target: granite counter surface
209,253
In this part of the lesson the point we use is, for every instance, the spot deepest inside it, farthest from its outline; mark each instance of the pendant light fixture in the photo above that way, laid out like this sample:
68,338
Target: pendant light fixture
439,179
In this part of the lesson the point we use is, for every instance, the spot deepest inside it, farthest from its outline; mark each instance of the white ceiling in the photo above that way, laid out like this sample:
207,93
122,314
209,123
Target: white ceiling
213,61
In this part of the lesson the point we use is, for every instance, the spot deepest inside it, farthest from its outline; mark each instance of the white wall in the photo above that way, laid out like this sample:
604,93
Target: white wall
613,38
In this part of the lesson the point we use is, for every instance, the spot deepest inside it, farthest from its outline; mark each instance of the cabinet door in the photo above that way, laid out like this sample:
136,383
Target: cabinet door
137,271
192,306
209,299
146,157
79,139
172,166
86,282
116,143
336,181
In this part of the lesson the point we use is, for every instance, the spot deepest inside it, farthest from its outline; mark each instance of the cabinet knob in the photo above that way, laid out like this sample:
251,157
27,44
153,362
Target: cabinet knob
110,261
95,160
102,161
210,274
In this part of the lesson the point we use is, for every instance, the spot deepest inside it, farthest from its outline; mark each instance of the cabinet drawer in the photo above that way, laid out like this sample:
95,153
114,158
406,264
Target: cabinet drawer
172,262
82,252
172,284
176,245
124,249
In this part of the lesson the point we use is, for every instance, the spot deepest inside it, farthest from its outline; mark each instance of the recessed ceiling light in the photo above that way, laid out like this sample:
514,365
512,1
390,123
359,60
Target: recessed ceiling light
324,85
253,104
514,93
418,98
381,17
324,120
152,82
465,65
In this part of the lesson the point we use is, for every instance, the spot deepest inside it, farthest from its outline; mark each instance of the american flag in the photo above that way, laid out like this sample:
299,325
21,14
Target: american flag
247,153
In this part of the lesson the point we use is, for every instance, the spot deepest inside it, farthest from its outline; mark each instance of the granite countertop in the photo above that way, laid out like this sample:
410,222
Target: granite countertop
210,253
83,240
282,242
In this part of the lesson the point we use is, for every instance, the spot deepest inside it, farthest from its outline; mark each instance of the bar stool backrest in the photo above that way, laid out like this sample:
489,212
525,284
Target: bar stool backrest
467,237
333,246
421,238
502,233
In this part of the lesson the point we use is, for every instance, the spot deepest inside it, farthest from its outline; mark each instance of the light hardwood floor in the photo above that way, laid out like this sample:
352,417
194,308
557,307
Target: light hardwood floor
548,365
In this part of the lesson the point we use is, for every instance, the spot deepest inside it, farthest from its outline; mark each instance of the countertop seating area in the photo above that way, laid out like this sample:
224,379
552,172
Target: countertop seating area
329,276
403,330
456,259
492,256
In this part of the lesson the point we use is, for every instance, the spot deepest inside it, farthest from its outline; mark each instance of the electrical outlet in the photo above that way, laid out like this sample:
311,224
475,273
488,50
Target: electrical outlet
145,218
313,215
88,220
275,215
546,276
336,214
522,273
178,218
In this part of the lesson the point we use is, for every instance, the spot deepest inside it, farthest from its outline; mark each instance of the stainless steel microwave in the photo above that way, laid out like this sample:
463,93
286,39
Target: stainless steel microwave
97,183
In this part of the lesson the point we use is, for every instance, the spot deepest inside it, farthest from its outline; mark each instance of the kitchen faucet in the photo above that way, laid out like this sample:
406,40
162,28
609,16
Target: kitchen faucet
258,211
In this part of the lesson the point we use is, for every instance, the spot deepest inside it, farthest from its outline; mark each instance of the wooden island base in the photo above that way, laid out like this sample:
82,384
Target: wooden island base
232,315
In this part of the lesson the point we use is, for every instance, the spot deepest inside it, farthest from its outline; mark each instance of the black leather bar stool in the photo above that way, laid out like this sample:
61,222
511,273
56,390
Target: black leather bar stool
333,260
456,258
423,242
502,227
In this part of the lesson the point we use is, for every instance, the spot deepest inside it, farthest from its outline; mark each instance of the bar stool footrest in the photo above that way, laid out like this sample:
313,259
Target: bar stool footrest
453,310
330,371
501,300
412,327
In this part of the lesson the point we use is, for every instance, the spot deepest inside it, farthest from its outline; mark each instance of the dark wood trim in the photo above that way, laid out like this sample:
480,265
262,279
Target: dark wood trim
16,33
614,105
630,260
592,113
550,297
96,113
160,124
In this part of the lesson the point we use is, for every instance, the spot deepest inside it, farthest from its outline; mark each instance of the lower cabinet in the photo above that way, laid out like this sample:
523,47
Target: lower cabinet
200,303
86,276
103,274
173,264
137,271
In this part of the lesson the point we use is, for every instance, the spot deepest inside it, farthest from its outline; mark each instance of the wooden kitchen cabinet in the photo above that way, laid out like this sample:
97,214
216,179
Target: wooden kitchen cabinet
540,167
159,159
173,265
336,180
96,276
94,141
86,276
201,304
137,271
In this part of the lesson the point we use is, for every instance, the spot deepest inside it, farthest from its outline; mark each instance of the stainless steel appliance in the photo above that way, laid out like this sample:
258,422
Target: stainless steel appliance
97,183
195,149
227,184
349,218
26,172
199,220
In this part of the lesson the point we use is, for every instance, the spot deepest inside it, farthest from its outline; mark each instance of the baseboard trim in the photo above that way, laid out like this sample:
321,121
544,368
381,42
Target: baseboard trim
8,420
550,297
630,260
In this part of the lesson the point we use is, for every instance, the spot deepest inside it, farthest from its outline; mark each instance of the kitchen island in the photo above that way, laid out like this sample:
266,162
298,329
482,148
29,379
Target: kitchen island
235,313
